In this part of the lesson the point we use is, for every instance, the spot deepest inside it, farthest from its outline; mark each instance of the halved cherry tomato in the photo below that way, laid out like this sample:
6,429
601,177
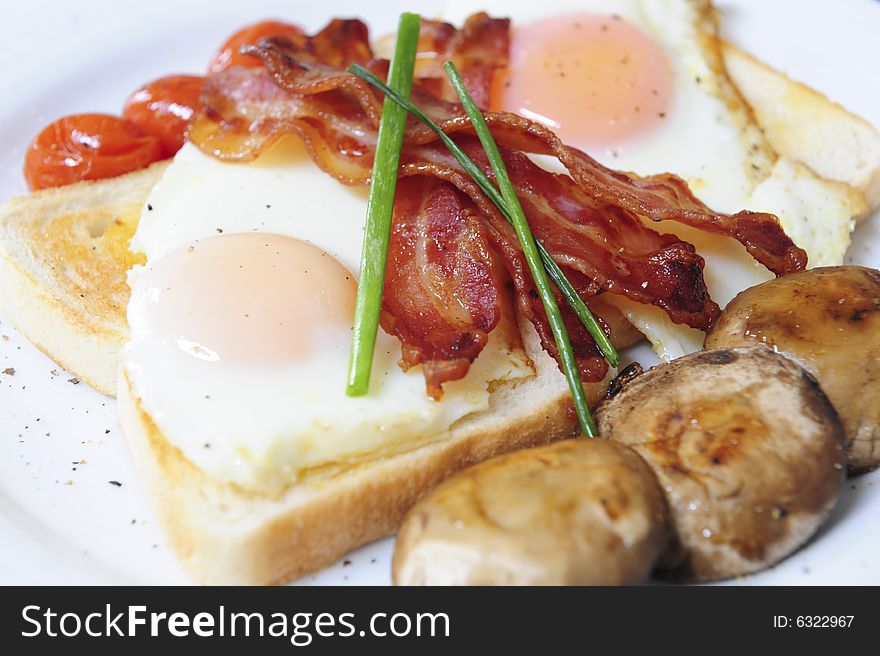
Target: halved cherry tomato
87,147
164,107
229,54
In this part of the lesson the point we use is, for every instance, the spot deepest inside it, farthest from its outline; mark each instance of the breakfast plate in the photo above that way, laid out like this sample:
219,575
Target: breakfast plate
71,507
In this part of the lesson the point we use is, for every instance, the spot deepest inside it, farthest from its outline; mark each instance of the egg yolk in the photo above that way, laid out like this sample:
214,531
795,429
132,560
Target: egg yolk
249,299
595,80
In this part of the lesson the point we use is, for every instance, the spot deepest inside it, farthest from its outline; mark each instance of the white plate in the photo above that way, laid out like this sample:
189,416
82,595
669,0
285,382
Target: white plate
61,521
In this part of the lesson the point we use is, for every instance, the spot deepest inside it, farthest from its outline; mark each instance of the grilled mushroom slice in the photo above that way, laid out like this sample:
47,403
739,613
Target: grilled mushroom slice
575,512
747,448
827,320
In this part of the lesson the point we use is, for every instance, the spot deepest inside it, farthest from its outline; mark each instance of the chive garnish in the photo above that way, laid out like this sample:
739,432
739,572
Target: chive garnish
530,250
487,187
380,206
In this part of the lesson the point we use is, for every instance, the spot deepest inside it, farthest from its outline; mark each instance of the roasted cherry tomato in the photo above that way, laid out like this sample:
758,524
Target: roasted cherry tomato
88,147
229,54
164,107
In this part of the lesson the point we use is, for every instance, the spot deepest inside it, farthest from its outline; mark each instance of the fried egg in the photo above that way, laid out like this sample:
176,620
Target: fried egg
241,326
641,87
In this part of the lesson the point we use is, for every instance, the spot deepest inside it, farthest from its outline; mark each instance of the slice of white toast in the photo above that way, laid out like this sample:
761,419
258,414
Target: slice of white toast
63,262
226,535
805,126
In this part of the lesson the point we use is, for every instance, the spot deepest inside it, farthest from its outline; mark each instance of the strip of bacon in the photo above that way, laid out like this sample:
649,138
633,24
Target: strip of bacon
590,221
659,197
609,245
477,50
441,294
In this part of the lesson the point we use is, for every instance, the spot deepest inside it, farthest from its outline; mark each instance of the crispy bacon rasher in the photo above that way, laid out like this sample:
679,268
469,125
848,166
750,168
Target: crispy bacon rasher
441,291
442,288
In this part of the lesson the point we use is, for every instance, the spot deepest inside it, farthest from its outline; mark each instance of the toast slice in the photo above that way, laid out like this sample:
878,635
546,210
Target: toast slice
805,126
63,263
226,535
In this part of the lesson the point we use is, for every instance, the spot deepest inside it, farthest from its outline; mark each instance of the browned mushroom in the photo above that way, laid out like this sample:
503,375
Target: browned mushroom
828,321
575,512
747,448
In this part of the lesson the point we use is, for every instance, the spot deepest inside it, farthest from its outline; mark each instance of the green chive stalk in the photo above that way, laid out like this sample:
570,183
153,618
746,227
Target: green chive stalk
530,250
380,207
